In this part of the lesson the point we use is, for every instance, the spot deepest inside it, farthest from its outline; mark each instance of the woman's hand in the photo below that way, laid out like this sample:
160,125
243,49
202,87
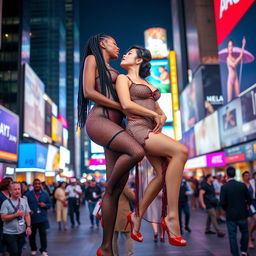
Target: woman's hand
163,119
158,121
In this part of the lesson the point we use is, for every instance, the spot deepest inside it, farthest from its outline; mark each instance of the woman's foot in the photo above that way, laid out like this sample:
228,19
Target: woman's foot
136,224
171,225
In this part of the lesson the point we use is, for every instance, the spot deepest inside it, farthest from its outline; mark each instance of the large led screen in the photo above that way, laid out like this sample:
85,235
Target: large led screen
207,135
165,103
188,140
9,134
248,104
236,45
34,109
191,105
230,123
159,76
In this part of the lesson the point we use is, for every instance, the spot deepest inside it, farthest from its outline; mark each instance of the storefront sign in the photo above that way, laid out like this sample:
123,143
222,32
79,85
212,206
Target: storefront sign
216,159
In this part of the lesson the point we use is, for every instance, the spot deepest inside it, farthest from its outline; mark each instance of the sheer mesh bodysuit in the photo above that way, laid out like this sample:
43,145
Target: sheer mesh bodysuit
122,153
144,96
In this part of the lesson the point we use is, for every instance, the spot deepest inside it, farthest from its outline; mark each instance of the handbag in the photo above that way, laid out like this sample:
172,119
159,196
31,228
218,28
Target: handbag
214,201
97,210
65,204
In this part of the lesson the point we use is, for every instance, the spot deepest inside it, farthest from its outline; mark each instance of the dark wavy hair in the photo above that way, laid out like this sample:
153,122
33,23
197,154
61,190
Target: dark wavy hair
92,47
145,55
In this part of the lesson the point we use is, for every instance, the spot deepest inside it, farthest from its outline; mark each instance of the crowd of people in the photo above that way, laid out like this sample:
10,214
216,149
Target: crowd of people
24,209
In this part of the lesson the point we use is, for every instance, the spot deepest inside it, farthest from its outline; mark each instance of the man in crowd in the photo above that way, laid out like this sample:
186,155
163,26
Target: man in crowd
185,191
74,192
234,199
16,218
92,195
209,202
39,202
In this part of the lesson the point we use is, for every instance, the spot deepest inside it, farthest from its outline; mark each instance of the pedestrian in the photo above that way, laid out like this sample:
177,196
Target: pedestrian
251,210
185,192
4,194
253,193
16,219
235,199
61,205
74,192
120,227
209,202
195,186
93,195
217,184
39,202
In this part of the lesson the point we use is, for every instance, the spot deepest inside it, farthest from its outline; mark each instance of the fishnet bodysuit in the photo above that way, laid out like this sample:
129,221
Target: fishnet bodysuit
144,96
122,153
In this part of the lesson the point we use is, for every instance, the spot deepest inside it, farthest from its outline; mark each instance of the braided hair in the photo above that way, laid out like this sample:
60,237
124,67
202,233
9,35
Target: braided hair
146,57
93,48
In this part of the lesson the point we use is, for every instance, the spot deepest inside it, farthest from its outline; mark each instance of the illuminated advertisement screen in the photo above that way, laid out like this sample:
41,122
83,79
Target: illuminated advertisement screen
34,109
236,45
248,104
160,77
188,140
165,103
207,77
156,42
191,102
54,129
168,130
52,163
230,123
207,135
64,157
9,134
48,119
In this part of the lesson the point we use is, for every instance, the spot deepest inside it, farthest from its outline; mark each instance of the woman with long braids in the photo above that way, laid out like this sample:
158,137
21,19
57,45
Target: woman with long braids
139,97
103,126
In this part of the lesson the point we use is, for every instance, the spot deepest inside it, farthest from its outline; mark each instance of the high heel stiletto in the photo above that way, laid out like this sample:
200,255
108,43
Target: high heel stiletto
99,252
176,241
137,237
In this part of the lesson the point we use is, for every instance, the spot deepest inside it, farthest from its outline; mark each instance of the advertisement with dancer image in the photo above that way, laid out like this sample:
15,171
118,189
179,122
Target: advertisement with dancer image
237,47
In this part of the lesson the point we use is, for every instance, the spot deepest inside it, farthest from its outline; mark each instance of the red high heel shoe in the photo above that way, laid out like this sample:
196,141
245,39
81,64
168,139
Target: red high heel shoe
176,241
99,252
138,237
99,213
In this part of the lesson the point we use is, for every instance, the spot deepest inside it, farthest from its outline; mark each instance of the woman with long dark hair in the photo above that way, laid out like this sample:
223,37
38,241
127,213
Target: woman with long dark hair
103,126
139,97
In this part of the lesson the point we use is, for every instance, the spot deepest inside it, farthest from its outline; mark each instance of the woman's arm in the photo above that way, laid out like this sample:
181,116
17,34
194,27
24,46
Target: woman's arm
89,74
161,113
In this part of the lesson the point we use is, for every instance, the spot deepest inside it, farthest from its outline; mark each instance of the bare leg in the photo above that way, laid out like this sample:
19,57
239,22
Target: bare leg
162,145
237,87
151,192
229,89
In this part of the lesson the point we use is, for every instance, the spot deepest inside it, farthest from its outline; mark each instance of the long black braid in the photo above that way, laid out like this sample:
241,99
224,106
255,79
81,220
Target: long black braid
93,48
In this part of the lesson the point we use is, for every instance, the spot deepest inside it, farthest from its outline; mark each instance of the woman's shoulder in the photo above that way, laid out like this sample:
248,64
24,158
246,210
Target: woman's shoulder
91,60
122,78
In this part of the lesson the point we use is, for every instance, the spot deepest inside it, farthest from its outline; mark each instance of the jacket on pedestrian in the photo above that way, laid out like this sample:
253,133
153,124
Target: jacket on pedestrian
124,209
33,204
235,199
184,187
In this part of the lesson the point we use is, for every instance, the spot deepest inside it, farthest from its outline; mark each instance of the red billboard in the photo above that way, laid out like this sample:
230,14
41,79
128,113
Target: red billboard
227,14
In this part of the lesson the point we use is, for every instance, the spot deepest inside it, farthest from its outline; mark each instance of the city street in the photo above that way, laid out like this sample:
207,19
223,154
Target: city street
82,241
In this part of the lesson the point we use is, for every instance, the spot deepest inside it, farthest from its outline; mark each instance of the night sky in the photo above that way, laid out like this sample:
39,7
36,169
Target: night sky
123,20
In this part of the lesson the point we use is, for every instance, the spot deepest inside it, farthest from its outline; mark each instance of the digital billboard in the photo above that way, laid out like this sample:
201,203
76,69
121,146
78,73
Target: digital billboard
230,123
156,42
165,103
207,135
188,140
52,163
48,118
248,104
159,75
32,155
236,45
9,134
191,102
34,108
